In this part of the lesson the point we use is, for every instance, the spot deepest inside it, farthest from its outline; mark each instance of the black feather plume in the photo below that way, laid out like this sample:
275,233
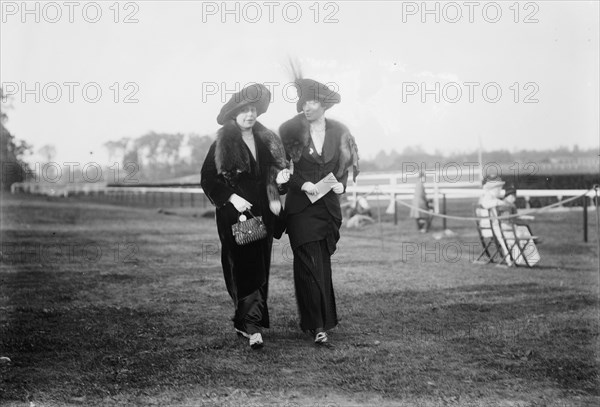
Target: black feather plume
295,68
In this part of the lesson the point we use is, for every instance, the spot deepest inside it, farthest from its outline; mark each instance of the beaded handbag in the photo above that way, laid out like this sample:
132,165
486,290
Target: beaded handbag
249,230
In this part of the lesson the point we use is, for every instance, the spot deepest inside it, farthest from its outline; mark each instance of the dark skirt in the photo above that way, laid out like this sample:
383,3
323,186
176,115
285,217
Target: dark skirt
314,287
251,312
246,273
314,223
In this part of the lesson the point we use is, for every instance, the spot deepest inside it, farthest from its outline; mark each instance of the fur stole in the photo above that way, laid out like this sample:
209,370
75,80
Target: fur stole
232,157
295,135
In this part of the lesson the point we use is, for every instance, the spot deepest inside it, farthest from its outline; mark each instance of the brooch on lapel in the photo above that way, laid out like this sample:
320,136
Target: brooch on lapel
310,151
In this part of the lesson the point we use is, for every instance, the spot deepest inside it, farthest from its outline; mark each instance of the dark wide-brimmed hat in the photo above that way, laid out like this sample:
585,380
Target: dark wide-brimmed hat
309,89
510,189
256,95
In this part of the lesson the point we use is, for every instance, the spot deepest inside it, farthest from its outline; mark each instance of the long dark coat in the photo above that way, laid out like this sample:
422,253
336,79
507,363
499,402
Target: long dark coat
230,168
339,153
313,228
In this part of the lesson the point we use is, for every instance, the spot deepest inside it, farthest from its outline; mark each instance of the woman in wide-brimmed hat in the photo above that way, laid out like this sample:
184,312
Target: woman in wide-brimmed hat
242,171
317,147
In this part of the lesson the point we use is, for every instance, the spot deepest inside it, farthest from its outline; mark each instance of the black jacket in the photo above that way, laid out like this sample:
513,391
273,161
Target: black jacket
230,168
338,155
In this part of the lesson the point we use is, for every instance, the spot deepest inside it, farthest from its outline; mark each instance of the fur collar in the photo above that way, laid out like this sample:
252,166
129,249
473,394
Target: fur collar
295,135
232,156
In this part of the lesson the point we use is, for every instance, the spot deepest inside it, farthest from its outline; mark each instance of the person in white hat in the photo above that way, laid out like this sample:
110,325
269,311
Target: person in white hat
492,193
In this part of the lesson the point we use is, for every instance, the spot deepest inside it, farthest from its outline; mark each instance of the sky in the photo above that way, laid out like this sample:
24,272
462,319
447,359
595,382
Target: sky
504,74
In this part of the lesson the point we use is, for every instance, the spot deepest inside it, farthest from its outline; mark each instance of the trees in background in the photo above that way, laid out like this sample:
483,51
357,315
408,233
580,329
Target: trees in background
163,156
160,156
393,161
13,168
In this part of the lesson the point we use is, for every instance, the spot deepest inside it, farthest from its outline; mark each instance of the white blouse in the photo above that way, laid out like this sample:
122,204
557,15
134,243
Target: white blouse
317,133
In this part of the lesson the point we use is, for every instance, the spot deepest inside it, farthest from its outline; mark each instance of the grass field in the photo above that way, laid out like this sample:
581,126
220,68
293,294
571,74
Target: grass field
114,305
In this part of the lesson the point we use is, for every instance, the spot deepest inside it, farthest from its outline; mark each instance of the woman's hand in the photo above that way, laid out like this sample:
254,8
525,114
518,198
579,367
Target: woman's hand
240,204
283,176
338,188
310,188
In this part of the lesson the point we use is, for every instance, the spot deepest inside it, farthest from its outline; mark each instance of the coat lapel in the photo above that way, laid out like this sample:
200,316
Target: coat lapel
329,145
313,152
262,154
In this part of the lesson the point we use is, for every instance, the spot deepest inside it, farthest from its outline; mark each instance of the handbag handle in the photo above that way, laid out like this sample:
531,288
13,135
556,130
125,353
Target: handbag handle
249,211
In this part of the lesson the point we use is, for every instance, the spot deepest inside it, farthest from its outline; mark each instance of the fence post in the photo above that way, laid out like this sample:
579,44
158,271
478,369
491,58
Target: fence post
585,219
444,211
395,209
393,183
436,197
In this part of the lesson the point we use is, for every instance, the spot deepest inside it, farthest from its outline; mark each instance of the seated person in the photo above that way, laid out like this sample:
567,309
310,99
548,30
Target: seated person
510,207
359,213
359,207
492,193
502,207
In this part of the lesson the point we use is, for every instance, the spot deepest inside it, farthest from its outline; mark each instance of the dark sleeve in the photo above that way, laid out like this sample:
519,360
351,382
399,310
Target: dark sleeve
283,188
296,179
344,180
213,185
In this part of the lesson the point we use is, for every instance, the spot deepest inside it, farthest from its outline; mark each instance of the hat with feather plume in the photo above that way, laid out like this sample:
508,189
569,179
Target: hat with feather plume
310,89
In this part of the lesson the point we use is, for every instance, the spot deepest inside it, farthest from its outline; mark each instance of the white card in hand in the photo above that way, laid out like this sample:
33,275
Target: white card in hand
324,186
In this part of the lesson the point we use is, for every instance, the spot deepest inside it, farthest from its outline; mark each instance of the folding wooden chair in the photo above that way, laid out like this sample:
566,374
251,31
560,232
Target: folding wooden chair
520,244
491,246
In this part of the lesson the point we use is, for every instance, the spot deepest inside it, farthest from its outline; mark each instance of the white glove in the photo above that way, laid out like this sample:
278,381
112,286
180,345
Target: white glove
283,176
310,188
338,188
240,204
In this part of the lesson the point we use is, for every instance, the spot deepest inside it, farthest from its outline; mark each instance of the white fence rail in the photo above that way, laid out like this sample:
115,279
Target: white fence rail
380,187
373,192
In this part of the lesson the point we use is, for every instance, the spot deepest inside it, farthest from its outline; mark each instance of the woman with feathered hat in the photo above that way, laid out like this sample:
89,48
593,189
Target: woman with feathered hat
242,172
317,147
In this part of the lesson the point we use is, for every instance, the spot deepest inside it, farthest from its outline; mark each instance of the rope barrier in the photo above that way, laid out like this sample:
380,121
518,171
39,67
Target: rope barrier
469,218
